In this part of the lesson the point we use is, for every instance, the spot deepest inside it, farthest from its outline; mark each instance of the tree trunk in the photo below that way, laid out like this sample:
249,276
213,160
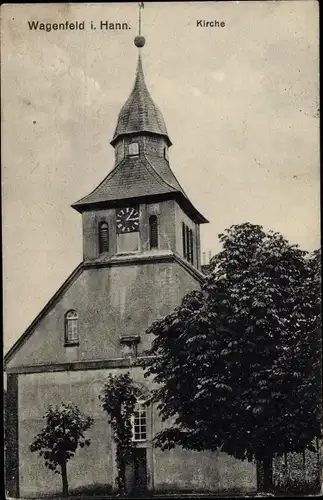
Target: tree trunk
121,470
64,479
265,474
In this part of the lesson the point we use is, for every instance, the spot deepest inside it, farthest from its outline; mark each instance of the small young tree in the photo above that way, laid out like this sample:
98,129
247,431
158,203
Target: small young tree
118,399
60,438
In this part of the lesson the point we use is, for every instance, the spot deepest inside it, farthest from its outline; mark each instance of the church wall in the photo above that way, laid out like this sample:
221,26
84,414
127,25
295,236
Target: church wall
91,465
111,302
200,470
181,469
95,465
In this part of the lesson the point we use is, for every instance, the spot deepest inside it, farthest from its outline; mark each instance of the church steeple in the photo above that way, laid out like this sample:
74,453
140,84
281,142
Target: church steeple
140,114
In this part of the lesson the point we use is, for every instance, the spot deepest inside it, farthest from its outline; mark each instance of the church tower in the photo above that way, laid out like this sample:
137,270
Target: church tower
140,209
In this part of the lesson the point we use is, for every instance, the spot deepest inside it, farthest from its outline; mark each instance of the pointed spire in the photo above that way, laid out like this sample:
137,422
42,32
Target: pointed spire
140,113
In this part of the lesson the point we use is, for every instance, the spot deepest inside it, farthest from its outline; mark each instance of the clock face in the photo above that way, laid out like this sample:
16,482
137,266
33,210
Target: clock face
127,219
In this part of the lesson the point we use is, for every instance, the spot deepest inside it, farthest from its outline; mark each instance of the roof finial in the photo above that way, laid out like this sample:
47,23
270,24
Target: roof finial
139,39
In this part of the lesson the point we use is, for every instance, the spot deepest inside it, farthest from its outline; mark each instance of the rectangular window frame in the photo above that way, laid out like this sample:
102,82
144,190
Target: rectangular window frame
139,423
133,144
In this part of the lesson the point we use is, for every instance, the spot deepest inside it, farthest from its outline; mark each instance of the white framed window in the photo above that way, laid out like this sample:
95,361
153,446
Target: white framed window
139,422
71,328
134,149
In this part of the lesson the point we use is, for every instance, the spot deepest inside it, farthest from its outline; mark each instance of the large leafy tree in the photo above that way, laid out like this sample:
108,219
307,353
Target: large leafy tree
238,362
59,439
118,398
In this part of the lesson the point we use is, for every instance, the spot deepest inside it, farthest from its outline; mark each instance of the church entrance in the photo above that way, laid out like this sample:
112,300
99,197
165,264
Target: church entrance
136,472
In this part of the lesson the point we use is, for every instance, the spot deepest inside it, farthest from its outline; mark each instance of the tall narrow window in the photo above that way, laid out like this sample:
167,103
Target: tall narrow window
103,237
139,422
190,257
153,231
166,153
71,328
184,239
187,243
134,149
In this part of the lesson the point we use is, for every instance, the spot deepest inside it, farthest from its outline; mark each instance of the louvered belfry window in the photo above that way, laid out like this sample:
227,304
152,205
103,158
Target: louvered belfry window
187,238
184,240
153,231
190,245
103,237
71,328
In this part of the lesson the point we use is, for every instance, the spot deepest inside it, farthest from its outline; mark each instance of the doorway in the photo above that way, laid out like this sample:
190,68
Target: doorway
136,474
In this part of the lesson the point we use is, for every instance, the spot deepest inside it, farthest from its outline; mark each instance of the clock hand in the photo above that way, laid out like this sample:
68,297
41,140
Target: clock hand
129,216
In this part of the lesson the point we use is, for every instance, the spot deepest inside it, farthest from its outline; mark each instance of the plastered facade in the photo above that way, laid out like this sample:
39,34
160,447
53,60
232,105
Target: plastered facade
166,470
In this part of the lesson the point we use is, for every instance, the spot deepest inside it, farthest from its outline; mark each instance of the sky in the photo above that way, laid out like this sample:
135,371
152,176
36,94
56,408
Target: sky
240,104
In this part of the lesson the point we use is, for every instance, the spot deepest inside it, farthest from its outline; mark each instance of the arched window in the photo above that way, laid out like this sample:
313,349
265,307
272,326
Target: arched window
103,237
134,149
153,231
71,328
166,153
139,422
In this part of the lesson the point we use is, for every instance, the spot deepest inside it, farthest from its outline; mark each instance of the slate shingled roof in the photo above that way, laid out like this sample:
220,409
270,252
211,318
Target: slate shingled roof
140,113
137,177
144,175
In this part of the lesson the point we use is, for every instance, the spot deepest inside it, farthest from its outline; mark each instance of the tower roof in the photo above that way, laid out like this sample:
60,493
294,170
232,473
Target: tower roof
140,113
138,178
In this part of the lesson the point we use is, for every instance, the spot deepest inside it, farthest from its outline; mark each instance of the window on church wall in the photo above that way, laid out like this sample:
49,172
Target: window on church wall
187,239
139,422
184,240
166,153
71,328
153,231
190,236
133,149
103,237
187,243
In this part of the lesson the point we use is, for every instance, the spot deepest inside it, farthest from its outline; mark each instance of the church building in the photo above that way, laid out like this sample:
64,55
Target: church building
141,256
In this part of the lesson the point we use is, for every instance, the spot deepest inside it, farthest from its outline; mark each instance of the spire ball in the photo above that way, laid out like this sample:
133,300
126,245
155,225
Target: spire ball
139,41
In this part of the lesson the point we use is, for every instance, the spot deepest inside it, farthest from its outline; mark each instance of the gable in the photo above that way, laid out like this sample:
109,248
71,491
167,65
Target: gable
111,301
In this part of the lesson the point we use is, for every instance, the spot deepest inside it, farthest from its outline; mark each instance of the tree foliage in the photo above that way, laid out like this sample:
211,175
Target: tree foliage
238,362
59,439
119,397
